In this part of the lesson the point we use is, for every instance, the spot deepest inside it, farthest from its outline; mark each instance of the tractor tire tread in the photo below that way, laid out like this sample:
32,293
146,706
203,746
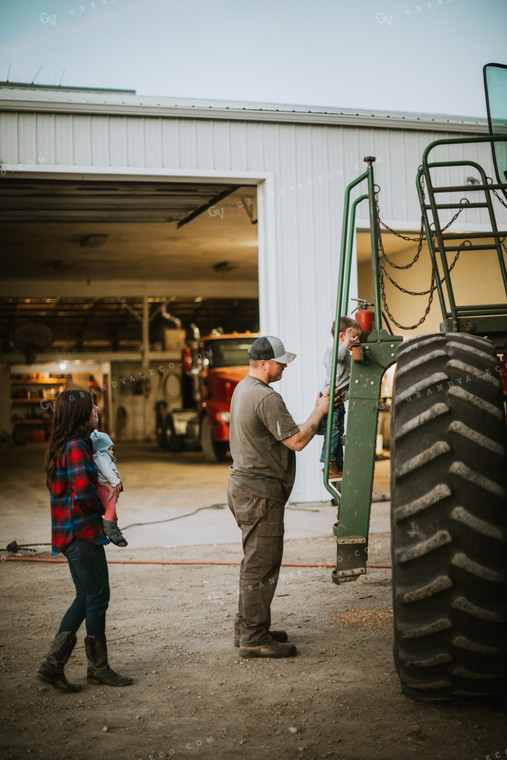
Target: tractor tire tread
449,511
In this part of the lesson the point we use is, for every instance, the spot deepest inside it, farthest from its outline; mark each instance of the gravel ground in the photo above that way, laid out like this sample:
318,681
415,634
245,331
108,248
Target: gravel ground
170,628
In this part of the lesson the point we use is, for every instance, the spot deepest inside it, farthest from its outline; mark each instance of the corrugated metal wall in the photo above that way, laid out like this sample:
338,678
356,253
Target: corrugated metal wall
299,211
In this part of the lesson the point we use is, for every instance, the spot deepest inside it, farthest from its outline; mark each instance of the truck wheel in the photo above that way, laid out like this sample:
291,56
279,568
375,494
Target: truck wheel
214,451
161,431
449,519
174,442
166,435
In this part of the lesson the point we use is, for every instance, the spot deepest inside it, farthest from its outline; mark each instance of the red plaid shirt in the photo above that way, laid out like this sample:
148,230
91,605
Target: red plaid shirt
75,508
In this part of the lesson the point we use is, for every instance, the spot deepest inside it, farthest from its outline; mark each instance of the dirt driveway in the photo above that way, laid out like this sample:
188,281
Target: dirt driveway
170,628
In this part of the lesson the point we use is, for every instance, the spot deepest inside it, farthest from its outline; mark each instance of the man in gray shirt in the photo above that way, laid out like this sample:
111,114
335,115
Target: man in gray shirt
263,441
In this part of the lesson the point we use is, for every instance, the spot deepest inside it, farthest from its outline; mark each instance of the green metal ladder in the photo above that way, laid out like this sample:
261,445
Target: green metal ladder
484,319
378,352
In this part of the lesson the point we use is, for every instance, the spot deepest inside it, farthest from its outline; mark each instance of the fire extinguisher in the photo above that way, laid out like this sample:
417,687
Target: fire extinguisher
363,317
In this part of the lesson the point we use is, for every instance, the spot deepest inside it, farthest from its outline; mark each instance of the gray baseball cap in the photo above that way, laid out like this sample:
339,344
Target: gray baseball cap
269,347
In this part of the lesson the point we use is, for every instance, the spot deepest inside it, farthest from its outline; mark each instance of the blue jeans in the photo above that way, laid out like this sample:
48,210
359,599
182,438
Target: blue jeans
88,568
337,430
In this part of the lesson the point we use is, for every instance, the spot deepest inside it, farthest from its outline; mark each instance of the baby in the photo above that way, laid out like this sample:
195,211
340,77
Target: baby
107,489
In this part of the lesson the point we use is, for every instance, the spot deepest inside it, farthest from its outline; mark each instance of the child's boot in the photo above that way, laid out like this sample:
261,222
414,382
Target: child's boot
334,472
113,533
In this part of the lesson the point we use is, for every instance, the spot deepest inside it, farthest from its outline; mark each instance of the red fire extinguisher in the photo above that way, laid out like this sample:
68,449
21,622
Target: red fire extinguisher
363,316
186,359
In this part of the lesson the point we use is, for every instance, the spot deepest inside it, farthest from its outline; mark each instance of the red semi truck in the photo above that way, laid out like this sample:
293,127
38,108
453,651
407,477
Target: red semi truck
209,374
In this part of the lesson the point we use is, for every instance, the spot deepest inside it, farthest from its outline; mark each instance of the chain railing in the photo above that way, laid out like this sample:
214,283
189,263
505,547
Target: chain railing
385,261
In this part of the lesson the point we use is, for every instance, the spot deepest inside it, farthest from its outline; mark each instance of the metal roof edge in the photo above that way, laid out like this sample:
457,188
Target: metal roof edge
412,122
64,88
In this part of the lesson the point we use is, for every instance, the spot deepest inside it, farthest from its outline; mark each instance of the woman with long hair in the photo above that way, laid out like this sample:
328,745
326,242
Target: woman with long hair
76,532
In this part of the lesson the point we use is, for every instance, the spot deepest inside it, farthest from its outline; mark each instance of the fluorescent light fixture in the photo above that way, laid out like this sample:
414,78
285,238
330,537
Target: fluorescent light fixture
93,241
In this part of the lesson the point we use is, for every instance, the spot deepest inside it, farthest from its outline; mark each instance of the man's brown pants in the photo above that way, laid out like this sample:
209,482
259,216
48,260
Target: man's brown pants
261,523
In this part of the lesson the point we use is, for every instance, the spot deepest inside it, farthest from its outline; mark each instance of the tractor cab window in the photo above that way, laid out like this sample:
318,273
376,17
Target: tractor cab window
495,84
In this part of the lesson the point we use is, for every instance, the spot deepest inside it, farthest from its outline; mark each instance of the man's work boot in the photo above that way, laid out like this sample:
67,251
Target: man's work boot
280,636
51,667
270,649
98,667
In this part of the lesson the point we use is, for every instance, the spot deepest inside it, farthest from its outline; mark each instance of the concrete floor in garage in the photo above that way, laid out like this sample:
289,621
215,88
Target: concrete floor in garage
169,500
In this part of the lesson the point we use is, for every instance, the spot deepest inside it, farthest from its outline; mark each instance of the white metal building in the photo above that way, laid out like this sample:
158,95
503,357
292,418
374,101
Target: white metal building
297,160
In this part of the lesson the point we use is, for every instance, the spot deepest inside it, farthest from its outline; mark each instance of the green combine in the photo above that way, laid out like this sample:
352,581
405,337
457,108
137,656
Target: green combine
448,437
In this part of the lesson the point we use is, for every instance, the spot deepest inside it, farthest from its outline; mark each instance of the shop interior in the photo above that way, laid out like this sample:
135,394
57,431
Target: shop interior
104,285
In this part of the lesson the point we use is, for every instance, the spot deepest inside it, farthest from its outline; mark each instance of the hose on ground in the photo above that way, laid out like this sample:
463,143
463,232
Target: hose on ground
176,562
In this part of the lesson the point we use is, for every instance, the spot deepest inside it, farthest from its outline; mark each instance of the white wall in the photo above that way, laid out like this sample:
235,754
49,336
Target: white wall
303,170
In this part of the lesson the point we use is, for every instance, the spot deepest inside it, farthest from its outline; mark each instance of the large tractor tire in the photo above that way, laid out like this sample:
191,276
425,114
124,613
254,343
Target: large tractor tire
449,519
214,451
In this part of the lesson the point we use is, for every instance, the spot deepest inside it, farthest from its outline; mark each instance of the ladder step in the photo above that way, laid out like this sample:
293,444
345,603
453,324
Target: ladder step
448,248
466,235
458,205
465,188
490,310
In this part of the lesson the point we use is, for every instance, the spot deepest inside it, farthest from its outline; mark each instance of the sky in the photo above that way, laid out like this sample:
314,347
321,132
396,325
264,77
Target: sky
423,56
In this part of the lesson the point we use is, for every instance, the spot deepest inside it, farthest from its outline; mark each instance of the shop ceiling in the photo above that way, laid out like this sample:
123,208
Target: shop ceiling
94,231
75,252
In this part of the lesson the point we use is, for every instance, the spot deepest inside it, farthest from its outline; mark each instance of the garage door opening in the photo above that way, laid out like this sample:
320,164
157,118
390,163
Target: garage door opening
123,273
